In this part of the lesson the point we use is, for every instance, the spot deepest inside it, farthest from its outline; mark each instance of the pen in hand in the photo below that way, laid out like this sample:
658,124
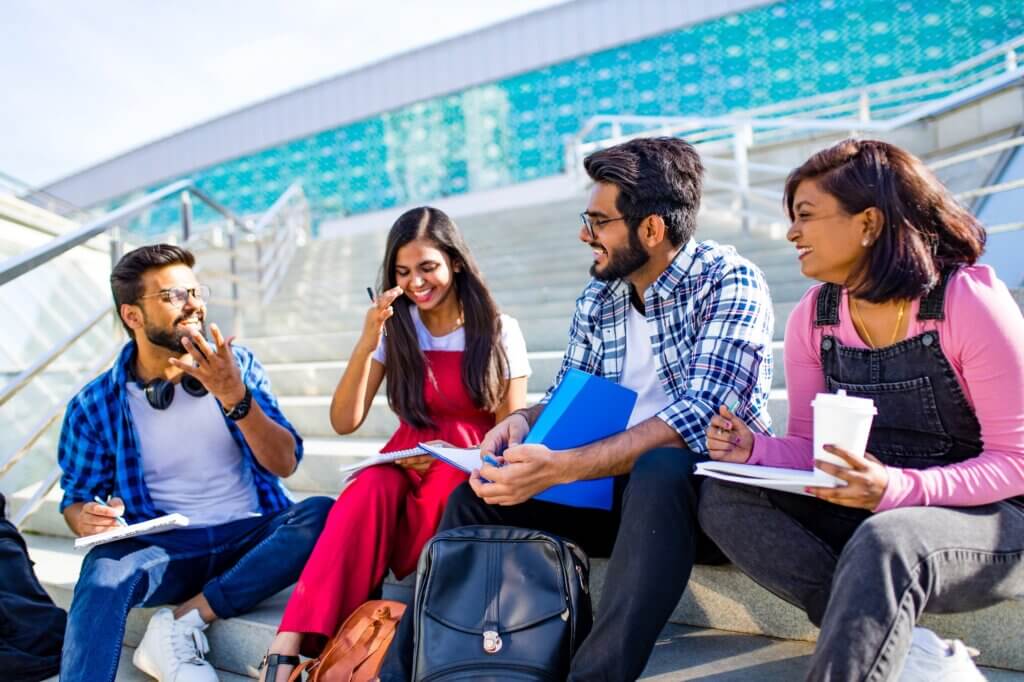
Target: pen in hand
369,292
120,520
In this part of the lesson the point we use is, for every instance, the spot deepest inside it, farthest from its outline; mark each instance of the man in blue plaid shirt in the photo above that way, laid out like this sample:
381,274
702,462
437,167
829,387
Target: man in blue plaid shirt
686,325
177,425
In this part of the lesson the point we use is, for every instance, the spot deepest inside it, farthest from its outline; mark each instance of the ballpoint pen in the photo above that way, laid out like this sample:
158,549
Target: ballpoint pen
120,520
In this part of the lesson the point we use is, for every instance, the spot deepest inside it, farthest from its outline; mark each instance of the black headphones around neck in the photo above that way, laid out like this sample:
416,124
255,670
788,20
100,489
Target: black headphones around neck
160,392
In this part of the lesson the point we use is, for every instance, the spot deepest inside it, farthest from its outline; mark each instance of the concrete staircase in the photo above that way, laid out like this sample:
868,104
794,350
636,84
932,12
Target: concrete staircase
725,627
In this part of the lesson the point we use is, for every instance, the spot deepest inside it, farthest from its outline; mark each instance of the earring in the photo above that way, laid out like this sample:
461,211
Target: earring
865,242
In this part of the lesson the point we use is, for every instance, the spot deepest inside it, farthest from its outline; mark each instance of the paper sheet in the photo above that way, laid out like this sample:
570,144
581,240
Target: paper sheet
157,525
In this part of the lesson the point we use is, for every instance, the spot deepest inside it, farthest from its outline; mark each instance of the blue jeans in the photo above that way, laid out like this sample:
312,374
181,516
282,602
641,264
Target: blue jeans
235,565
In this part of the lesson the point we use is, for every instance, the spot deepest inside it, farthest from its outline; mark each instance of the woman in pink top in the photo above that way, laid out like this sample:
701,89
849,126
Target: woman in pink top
931,517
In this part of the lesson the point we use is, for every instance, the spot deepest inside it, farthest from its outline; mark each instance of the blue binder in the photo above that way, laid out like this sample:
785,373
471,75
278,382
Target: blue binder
583,409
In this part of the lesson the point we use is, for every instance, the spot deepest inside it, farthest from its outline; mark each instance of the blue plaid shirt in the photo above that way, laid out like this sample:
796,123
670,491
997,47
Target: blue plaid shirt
99,446
713,341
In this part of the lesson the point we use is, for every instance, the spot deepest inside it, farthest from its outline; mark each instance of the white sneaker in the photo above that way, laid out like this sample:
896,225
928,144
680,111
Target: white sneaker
932,659
173,651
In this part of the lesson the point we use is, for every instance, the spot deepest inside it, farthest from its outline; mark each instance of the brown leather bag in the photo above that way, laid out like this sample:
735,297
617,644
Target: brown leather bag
356,651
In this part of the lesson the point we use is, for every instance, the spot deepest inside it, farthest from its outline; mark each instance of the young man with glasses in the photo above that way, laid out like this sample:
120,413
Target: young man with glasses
178,424
686,325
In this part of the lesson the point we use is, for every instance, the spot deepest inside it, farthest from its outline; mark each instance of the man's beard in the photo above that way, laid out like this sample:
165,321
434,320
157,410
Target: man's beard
171,338
623,262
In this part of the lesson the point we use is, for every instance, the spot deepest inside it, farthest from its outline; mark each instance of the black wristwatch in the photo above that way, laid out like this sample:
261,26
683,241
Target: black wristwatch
241,408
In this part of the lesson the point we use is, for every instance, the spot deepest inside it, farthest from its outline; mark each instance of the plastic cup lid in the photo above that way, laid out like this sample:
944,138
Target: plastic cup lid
844,401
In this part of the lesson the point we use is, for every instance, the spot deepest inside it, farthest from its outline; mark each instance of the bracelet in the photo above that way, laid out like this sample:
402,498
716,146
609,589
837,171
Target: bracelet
241,408
522,412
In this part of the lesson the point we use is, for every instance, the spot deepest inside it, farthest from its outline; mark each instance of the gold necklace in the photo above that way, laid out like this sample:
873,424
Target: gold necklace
451,329
857,320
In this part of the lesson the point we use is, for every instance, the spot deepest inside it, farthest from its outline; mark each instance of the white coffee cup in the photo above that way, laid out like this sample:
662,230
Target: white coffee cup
841,420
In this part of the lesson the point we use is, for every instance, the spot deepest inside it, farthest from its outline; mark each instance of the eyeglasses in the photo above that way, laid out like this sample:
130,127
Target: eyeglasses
178,296
590,223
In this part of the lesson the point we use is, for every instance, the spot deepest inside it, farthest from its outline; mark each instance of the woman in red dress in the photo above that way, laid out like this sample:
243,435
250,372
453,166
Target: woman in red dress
453,365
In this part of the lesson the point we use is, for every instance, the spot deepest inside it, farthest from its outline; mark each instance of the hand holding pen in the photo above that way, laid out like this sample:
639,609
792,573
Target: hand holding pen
728,438
98,516
380,312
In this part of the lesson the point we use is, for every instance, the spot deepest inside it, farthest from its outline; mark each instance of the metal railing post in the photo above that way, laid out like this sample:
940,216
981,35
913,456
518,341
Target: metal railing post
233,260
116,251
864,106
743,137
186,216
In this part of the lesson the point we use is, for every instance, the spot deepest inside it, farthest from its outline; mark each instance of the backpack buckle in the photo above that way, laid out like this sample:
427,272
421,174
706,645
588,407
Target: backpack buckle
492,642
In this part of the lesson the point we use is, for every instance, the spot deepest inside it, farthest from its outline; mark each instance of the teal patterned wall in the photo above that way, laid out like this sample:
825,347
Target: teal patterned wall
514,129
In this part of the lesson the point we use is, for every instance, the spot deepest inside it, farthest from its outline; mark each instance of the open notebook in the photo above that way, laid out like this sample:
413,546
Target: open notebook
157,525
776,478
384,458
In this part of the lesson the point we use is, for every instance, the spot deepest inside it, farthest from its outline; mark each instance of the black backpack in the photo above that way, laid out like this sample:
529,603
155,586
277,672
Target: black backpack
31,627
499,603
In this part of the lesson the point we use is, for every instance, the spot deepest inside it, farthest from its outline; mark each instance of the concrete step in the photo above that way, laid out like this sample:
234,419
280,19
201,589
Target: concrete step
236,645
320,377
719,598
310,415
556,261
280,343
126,672
300,320
534,320
537,289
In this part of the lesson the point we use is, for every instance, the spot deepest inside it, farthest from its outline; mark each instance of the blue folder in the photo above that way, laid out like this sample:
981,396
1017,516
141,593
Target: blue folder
583,409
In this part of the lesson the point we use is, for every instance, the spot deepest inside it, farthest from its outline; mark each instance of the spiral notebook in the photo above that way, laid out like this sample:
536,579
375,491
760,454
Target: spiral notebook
157,525
384,458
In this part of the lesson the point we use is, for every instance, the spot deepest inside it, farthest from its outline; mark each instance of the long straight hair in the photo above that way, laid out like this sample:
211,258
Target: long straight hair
484,362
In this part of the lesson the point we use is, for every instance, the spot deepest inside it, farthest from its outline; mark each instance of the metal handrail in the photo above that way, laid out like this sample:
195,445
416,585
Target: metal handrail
27,193
277,225
860,99
738,133
20,381
19,265
33,503
51,416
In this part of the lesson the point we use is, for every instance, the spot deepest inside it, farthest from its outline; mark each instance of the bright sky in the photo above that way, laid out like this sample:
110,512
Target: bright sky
84,81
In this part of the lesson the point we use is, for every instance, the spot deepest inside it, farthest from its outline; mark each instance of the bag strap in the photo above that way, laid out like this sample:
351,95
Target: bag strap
296,675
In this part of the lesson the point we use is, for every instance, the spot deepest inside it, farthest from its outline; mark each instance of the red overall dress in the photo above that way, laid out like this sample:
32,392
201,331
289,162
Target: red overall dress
386,514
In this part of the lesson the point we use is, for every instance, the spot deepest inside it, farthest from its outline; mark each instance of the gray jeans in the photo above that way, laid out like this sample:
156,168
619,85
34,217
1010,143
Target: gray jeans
865,578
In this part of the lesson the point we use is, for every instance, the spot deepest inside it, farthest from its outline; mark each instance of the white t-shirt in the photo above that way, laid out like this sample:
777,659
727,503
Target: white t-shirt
511,338
190,462
639,372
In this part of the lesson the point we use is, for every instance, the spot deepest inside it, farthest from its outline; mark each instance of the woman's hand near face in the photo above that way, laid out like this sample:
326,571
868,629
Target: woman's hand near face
728,438
379,312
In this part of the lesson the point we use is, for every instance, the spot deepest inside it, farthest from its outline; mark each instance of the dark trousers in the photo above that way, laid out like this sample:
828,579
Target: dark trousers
235,565
866,578
651,538
31,627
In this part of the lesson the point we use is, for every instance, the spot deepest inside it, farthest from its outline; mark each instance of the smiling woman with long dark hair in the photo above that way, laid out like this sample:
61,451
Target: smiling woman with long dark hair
931,518
453,364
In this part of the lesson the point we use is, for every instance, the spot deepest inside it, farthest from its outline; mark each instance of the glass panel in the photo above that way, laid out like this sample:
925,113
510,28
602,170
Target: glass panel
1003,251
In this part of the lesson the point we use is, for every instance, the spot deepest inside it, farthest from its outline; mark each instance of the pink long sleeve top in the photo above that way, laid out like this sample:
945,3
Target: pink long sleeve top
982,336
